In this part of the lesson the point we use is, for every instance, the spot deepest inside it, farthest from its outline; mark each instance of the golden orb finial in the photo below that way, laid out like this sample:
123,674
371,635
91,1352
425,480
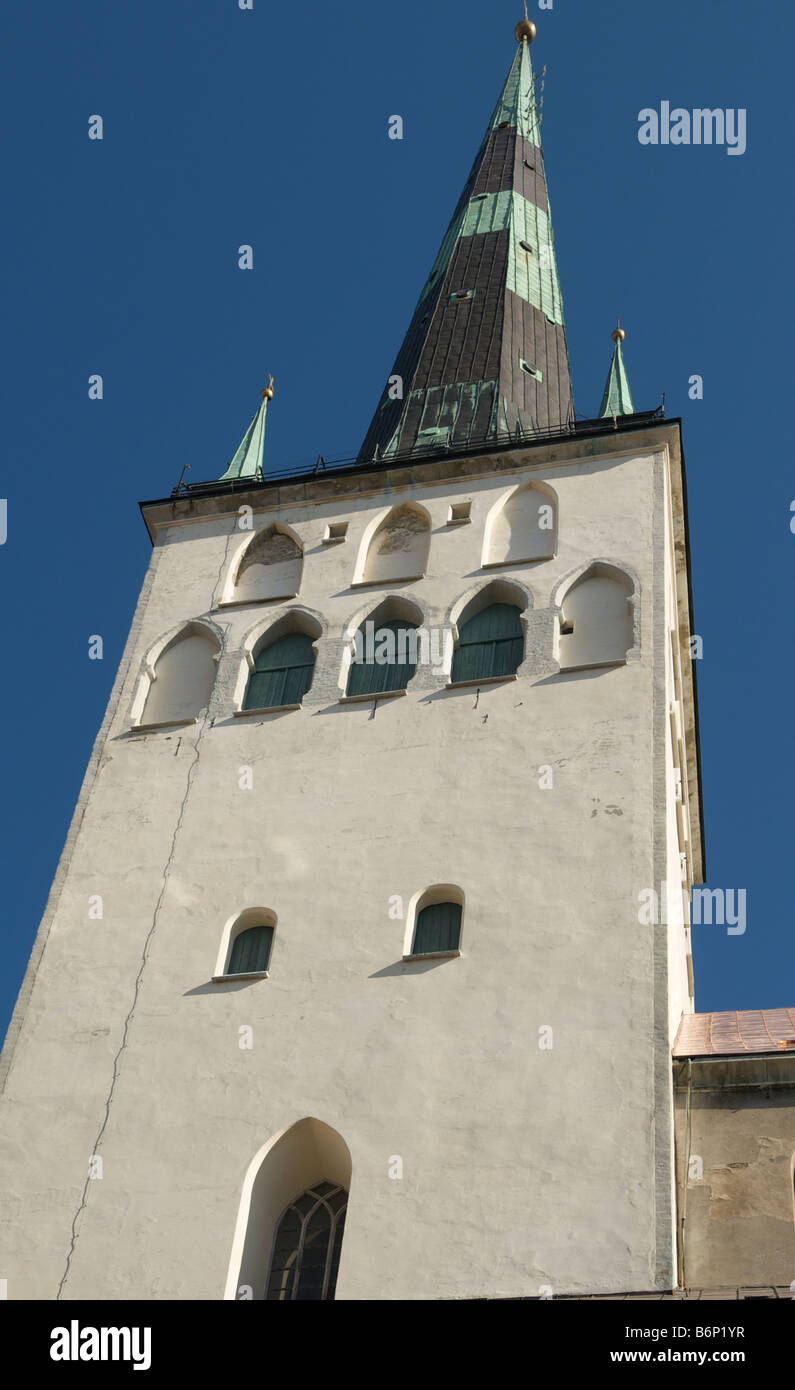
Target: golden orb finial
267,391
525,29
618,332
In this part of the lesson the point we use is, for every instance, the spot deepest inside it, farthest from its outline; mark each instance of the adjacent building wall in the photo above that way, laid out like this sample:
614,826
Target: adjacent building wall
735,1139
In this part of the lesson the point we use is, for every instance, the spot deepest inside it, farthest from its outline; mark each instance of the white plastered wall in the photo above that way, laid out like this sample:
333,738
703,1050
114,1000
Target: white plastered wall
506,1147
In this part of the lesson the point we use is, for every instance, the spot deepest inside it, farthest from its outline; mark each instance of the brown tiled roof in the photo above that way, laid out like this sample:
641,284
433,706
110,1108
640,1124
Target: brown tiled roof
729,1034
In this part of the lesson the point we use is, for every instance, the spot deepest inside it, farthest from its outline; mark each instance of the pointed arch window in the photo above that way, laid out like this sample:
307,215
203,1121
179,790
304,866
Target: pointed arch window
251,951
385,658
490,645
306,1252
282,673
438,929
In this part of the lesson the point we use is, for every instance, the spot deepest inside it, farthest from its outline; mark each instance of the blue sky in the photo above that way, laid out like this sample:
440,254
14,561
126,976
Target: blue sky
268,127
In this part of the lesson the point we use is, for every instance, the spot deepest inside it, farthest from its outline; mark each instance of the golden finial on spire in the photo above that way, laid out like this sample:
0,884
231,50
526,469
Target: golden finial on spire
267,391
618,332
525,29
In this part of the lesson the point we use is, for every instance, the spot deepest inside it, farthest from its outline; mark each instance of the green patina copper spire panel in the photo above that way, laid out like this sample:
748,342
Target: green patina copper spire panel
247,462
517,103
617,399
485,354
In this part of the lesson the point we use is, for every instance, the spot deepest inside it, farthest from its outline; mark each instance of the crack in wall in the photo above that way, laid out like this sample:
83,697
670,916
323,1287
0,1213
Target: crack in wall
128,1019
144,954
214,596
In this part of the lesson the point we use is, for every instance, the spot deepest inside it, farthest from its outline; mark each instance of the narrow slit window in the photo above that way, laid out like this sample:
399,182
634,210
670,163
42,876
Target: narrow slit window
337,530
531,370
459,513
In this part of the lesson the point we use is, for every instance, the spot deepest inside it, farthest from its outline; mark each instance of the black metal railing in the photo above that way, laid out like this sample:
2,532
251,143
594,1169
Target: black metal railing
504,440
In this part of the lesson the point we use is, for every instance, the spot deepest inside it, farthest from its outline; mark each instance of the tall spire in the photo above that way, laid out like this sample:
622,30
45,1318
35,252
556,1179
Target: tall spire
485,355
247,462
617,399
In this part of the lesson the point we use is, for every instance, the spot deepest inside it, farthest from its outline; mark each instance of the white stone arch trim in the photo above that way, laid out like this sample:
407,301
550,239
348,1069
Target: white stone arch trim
614,569
390,608
240,922
426,897
147,674
526,485
268,629
247,539
244,1210
374,524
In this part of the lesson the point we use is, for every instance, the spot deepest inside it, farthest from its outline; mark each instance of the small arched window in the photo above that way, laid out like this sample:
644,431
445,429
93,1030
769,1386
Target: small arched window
282,673
306,1252
251,951
490,644
438,929
385,657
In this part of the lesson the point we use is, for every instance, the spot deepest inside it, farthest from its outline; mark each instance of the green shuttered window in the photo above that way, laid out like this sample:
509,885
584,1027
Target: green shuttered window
384,660
282,673
490,644
438,929
251,951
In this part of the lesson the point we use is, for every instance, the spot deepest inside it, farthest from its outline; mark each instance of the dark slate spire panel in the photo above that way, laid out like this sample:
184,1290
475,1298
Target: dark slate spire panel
485,355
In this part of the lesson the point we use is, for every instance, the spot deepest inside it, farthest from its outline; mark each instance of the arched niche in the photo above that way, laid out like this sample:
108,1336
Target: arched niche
596,619
182,678
310,1152
399,547
522,527
271,567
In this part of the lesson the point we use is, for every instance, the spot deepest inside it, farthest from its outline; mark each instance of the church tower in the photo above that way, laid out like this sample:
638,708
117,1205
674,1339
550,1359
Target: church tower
365,956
